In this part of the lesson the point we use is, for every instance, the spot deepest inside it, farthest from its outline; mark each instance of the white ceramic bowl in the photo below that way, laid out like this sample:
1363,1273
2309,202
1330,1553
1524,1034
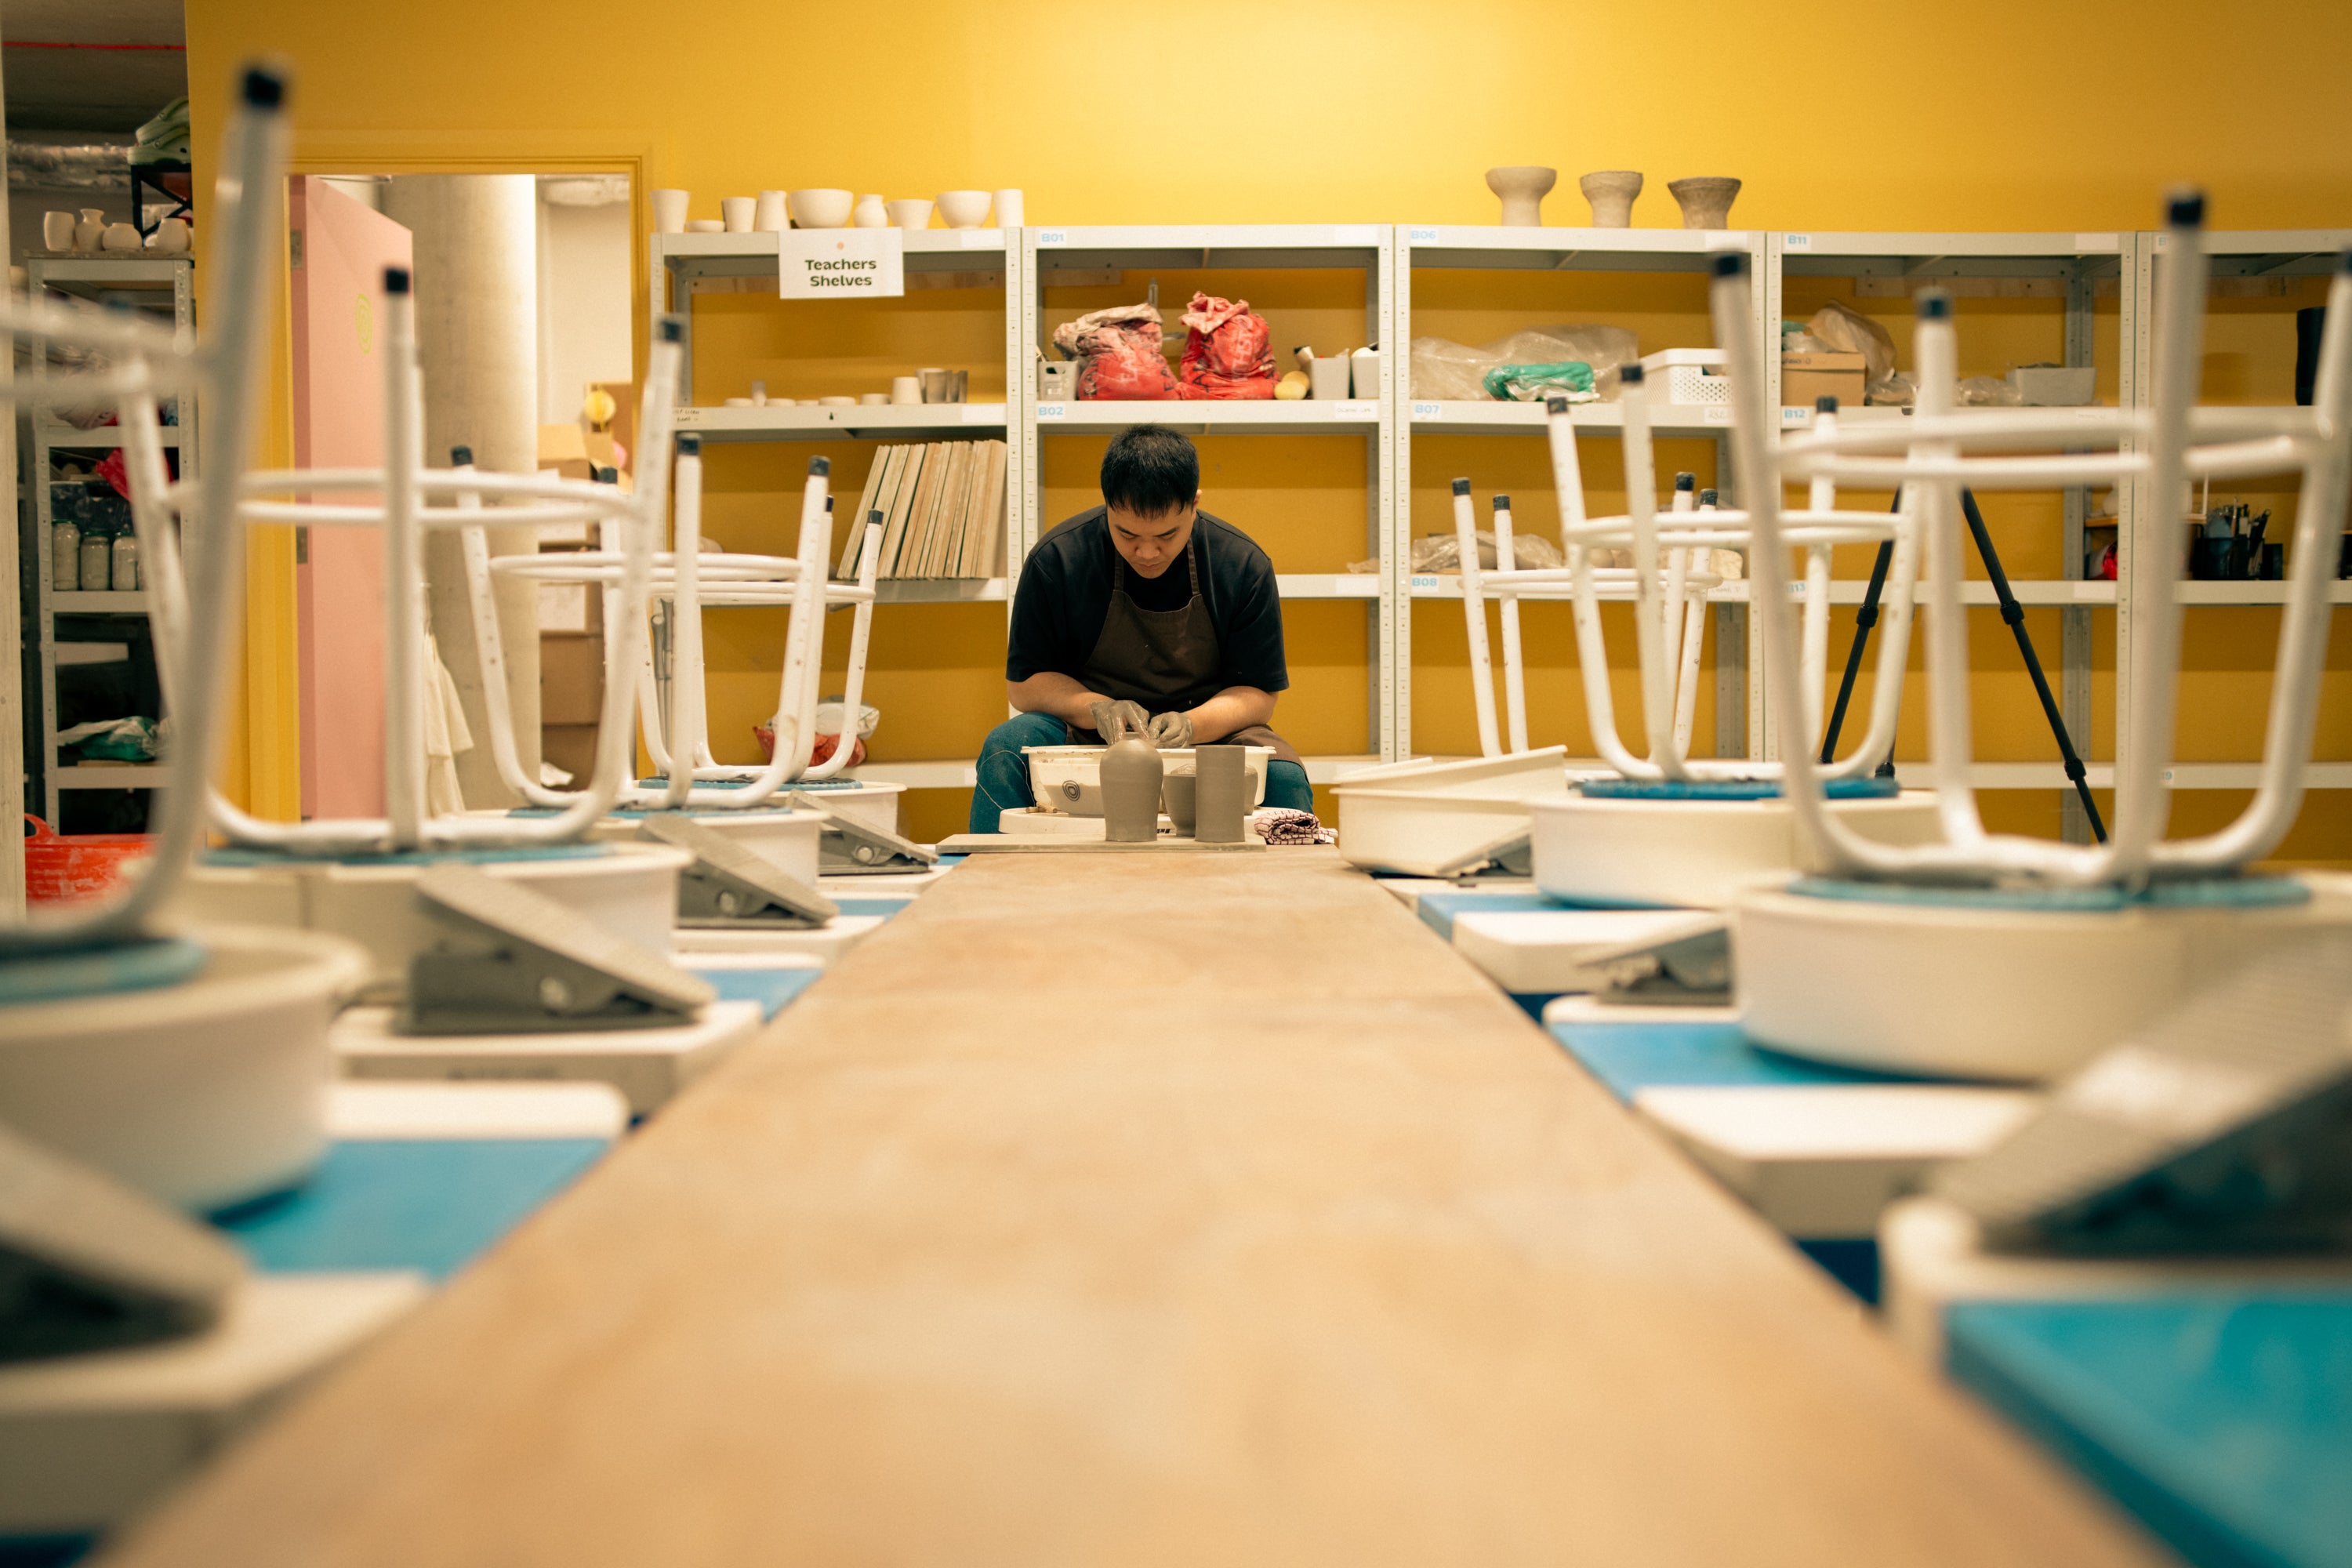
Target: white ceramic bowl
906,212
821,208
202,1094
1068,779
964,209
631,890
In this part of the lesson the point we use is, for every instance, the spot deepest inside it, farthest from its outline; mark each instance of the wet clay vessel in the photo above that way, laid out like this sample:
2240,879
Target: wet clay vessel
1130,791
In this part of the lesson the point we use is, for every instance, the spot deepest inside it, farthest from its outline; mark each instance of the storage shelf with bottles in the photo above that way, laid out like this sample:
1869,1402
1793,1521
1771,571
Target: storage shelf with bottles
58,459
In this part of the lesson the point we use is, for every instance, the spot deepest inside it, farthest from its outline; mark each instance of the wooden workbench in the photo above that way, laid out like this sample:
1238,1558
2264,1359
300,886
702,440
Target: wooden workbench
1123,1210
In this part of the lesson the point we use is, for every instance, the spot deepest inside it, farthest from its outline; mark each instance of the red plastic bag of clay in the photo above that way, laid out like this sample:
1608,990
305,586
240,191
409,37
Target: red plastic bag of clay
1118,356
1226,351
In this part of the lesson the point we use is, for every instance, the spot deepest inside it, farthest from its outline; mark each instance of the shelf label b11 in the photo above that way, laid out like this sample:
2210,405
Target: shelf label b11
841,263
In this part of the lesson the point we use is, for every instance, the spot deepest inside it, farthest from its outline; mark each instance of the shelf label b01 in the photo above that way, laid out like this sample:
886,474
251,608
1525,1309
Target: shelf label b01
841,263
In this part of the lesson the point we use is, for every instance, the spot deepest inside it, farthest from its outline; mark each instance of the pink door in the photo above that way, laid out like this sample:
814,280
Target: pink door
338,250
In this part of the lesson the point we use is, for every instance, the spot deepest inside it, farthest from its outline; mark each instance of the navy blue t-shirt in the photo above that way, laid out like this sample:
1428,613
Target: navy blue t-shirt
1065,586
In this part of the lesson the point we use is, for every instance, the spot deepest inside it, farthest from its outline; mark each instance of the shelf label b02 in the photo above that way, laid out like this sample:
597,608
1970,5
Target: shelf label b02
841,263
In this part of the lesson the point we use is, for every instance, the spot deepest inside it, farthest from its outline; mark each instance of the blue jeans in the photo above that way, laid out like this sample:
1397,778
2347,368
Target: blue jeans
1003,773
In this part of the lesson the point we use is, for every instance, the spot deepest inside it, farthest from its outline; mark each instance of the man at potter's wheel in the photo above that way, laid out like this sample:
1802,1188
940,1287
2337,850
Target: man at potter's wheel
1144,613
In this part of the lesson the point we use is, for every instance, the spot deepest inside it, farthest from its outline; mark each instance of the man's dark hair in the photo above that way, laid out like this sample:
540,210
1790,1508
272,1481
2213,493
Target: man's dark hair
1150,470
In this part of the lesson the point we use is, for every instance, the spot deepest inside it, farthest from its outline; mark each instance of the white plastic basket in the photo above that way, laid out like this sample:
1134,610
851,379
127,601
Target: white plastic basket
1688,376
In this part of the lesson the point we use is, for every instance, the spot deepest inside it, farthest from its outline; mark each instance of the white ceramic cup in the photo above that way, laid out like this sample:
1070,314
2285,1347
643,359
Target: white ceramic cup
935,384
737,212
768,213
872,399
911,212
1008,210
871,212
907,389
1364,373
57,229
1330,377
963,209
821,206
172,234
669,210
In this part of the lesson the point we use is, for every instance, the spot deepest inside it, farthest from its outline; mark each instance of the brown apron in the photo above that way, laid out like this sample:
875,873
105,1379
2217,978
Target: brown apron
1167,661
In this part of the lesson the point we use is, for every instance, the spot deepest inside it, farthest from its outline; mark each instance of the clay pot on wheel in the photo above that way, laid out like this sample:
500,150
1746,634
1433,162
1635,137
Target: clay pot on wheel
1612,193
1705,200
1131,790
1523,187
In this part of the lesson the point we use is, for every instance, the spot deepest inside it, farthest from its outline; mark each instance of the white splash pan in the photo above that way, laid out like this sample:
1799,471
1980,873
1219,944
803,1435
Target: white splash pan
201,1094
631,890
1945,990
1423,820
1698,853
1070,778
785,839
824,943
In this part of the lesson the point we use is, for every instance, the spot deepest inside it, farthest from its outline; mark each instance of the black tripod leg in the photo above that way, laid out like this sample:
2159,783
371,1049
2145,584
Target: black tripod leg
1863,619
2014,615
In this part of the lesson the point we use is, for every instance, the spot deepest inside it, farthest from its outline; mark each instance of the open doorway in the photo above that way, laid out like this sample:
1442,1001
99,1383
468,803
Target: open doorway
522,292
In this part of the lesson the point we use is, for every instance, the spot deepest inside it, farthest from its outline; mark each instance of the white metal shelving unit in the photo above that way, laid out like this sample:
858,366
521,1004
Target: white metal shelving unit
1368,247
680,261
148,282
1431,247
2070,266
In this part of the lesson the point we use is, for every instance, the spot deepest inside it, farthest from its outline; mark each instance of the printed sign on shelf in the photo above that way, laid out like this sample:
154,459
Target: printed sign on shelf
840,263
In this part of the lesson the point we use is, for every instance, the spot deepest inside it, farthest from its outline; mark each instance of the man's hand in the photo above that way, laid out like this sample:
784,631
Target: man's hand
1111,718
1170,731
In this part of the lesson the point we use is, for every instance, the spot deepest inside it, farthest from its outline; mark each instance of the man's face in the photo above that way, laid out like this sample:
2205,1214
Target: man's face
1150,543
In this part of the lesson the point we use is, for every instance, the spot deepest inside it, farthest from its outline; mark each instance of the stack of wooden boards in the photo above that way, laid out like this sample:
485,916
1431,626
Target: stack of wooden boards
944,509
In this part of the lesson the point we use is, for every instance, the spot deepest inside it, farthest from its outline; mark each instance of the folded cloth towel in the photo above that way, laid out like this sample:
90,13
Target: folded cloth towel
1293,827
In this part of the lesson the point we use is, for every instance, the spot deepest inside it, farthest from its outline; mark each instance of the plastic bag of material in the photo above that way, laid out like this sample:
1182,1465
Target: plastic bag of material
832,718
1226,352
1442,552
133,739
1571,379
1843,329
1987,391
1119,356
1451,372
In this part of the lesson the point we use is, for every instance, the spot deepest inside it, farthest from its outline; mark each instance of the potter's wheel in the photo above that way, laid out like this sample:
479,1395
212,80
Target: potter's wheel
1981,983
629,889
1700,848
194,1071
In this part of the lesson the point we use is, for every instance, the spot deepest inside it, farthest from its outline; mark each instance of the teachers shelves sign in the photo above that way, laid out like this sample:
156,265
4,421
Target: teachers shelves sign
840,263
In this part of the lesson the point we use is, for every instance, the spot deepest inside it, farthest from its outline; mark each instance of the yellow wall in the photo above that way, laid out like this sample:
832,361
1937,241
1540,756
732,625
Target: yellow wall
1838,114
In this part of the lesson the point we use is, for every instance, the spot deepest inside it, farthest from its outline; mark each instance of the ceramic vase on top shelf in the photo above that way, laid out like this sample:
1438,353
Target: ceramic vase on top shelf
669,210
91,230
872,212
1705,200
1523,187
768,213
1612,193
58,231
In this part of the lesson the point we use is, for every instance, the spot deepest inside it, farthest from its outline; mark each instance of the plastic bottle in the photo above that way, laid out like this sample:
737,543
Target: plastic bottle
125,562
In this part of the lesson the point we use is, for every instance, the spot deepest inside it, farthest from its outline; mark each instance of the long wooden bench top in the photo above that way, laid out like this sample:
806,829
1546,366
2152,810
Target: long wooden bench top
1133,1210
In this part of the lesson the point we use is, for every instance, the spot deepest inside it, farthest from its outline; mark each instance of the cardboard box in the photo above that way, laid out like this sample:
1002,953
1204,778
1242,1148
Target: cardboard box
1806,378
573,748
571,679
